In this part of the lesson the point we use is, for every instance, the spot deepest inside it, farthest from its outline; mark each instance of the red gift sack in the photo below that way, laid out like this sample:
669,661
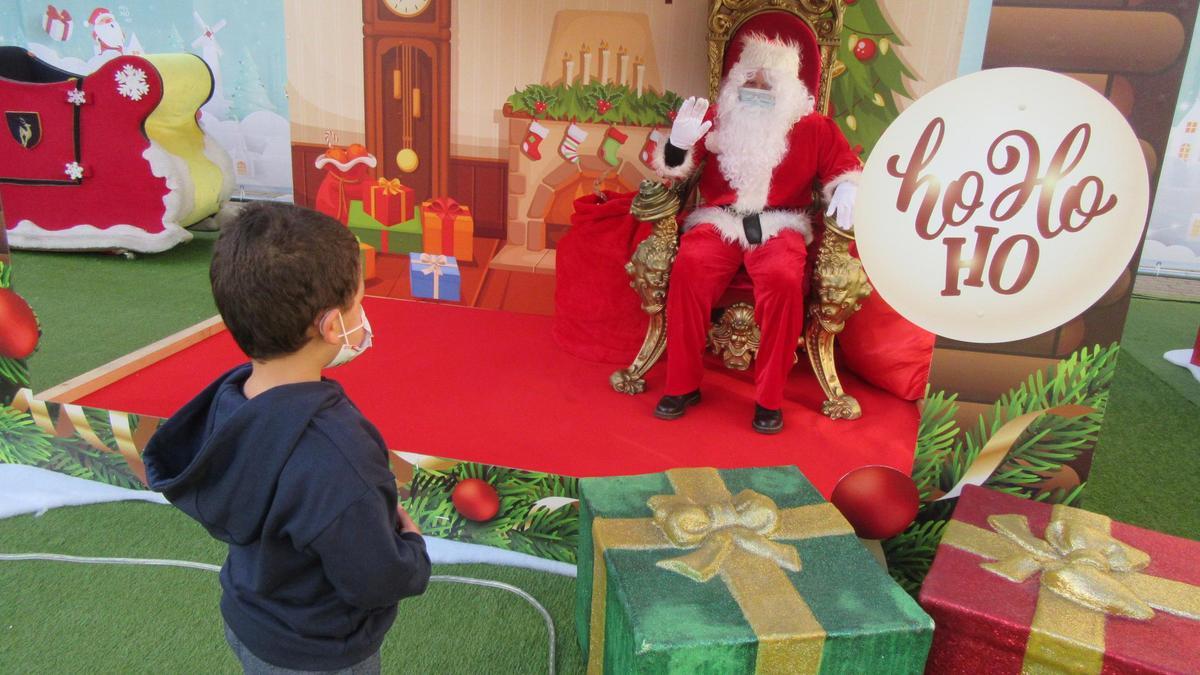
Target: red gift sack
597,315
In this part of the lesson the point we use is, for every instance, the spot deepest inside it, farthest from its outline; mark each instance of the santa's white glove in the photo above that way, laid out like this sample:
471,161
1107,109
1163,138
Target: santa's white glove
690,125
841,205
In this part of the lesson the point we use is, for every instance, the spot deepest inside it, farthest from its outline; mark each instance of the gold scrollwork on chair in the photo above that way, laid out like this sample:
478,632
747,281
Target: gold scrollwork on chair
735,337
840,286
650,270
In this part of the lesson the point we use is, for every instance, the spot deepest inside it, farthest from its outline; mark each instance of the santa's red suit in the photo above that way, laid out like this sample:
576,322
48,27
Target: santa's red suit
756,178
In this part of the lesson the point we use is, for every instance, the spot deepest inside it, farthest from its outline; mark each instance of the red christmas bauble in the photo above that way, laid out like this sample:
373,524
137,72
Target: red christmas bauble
475,499
603,106
18,326
865,49
879,501
539,107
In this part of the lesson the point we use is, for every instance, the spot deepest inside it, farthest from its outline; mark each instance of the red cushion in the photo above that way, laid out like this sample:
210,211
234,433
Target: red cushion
786,26
886,349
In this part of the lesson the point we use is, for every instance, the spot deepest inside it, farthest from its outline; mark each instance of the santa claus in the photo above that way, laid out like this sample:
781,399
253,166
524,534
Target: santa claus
765,148
107,36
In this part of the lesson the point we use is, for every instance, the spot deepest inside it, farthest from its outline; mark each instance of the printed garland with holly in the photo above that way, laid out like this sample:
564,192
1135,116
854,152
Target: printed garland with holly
596,102
523,511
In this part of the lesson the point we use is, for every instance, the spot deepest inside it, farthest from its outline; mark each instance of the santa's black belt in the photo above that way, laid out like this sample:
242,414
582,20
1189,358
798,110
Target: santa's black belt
752,225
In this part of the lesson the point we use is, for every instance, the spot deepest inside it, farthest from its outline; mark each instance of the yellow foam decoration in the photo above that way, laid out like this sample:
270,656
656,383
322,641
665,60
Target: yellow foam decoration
187,85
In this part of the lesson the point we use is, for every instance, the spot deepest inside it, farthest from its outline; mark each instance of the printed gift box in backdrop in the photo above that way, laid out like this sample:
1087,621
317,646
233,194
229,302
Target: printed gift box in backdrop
449,228
1024,586
435,277
734,571
389,201
399,239
366,257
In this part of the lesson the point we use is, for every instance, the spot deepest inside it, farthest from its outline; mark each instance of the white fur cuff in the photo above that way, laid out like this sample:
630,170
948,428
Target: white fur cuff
659,163
848,177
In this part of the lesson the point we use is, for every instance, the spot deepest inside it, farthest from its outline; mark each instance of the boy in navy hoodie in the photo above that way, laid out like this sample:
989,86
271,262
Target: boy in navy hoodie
277,462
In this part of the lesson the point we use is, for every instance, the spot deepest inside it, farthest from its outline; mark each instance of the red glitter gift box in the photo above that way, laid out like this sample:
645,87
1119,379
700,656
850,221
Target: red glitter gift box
1019,585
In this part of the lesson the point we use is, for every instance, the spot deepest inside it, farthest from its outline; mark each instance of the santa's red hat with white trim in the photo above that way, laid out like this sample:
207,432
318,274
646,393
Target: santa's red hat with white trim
97,14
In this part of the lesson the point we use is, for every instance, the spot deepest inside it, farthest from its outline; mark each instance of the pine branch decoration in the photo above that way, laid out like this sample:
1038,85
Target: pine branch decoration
22,441
1047,446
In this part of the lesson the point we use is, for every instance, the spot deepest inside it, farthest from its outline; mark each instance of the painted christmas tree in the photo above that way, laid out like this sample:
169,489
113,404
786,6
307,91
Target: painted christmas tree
249,94
175,43
867,74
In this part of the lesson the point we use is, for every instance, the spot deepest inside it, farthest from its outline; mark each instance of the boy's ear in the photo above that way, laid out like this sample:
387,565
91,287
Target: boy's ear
328,327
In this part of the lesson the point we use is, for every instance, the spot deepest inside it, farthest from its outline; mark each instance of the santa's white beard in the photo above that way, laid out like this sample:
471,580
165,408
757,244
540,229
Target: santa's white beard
751,140
109,36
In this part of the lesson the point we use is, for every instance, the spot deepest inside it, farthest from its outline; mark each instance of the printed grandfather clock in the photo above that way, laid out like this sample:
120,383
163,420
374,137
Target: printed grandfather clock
406,52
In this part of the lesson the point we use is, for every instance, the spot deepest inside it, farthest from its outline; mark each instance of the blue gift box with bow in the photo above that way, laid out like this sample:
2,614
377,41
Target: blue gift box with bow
435,277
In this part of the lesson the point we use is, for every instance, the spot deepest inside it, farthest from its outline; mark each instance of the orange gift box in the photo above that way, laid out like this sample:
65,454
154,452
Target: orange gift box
366,257
449,229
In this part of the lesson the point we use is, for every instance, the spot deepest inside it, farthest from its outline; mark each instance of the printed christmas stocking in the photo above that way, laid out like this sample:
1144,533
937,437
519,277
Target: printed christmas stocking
534,135
569,148
650,146
611,145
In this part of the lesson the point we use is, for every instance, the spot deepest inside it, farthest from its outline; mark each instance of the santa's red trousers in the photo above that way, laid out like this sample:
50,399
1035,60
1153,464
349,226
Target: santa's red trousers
703,269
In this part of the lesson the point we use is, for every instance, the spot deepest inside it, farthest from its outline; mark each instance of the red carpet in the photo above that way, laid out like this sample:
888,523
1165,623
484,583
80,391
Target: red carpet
492,387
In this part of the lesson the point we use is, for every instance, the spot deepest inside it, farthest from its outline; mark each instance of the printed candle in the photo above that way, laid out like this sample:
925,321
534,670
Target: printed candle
605,58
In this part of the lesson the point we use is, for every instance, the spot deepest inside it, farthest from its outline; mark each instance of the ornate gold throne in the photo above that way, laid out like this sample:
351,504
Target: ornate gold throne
838,283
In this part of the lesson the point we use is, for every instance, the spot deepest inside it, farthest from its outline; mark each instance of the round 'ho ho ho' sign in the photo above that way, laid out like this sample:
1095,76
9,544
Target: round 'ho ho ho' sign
1001,205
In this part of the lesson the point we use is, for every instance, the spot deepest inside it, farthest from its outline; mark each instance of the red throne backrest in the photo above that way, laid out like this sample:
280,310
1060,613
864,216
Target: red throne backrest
781,25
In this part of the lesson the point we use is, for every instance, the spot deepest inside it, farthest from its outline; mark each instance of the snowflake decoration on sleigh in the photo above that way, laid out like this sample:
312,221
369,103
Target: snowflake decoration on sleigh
131,83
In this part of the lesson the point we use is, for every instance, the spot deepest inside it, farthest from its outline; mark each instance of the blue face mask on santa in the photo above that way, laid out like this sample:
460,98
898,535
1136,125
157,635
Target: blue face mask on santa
759,98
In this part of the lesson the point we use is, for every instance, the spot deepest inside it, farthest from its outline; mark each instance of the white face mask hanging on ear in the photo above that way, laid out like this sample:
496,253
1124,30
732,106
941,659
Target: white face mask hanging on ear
348,352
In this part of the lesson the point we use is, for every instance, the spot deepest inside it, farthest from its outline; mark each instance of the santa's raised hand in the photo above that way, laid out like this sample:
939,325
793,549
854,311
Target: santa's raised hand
690,125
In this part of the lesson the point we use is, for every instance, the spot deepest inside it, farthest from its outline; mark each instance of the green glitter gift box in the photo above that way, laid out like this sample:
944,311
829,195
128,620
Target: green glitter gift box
734,571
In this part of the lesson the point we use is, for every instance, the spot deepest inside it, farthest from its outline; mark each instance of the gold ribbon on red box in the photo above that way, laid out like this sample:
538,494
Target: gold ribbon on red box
1086,575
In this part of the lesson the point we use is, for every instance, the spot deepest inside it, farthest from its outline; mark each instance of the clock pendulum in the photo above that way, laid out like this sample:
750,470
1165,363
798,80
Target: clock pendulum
403,84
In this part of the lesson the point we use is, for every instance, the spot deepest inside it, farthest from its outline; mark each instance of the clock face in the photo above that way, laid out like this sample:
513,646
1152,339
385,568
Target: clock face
407,8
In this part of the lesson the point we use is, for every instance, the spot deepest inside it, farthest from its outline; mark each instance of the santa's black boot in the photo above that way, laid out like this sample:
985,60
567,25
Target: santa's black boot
673,407
767,421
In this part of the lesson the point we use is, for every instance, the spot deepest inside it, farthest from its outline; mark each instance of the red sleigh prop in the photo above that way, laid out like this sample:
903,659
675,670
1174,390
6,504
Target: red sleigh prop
111,160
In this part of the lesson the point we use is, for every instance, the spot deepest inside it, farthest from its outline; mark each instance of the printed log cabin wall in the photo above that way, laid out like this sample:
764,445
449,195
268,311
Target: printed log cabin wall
1133,52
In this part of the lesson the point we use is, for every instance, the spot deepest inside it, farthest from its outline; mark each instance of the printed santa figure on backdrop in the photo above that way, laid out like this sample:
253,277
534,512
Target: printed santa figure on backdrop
107,35
763,148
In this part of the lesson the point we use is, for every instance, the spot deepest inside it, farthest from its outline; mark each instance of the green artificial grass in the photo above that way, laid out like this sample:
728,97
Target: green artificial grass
1146,468
68,618
1155,327
94,308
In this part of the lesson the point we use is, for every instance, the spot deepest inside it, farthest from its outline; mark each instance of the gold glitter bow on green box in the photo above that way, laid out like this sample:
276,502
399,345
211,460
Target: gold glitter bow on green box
1086,576
737,538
